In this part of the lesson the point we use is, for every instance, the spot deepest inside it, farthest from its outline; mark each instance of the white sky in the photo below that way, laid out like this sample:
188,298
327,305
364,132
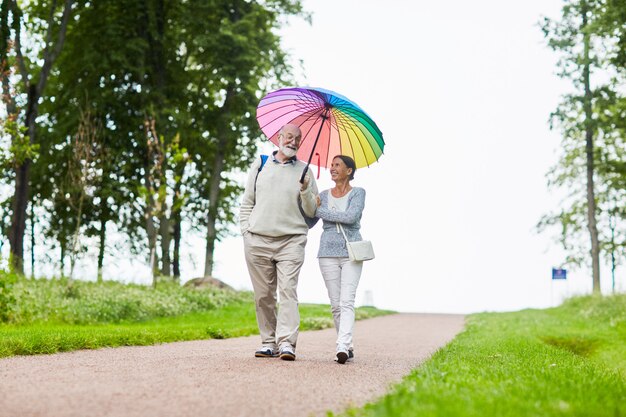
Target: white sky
462,92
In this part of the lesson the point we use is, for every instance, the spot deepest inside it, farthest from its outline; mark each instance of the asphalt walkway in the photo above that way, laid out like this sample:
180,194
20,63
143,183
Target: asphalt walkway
222,377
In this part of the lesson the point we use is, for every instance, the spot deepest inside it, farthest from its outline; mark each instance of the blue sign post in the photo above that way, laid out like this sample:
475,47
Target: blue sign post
559,273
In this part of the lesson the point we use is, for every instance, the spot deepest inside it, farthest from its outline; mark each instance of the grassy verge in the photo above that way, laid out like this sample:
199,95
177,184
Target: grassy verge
26,301
565,361
48,316
237,319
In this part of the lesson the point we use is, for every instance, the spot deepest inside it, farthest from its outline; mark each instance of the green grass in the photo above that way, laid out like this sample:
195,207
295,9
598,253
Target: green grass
24,301
565,361
48,316
237,319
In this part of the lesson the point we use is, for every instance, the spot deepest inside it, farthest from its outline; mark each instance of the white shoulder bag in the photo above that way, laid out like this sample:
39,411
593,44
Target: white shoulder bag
360,250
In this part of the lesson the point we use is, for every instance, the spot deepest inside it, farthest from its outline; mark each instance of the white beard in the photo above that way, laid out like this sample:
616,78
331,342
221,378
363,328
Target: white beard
288,152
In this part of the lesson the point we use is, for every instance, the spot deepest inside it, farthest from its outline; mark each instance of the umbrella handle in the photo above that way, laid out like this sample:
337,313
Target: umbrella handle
324,117
306,168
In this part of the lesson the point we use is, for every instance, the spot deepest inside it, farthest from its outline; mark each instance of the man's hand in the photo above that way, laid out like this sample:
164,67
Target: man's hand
305,183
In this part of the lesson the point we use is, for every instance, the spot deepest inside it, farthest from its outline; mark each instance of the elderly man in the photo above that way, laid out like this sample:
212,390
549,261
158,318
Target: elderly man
274,228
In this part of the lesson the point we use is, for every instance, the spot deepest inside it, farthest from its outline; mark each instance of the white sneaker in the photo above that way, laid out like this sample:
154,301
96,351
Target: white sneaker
287,353
266,351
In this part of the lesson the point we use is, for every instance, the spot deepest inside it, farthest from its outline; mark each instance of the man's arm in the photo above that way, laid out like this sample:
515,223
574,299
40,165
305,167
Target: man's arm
249,197
308,196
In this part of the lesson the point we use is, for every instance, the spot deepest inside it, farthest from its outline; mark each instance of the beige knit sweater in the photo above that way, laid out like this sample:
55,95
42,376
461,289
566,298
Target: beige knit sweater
273,210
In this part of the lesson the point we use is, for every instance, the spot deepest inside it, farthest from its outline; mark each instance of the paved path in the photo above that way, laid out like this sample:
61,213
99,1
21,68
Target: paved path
221,377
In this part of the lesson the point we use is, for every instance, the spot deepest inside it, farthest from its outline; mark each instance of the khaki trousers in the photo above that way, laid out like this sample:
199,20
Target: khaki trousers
275,262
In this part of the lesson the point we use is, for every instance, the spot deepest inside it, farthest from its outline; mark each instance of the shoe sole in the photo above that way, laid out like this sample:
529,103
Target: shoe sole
287,357
342,357
263,355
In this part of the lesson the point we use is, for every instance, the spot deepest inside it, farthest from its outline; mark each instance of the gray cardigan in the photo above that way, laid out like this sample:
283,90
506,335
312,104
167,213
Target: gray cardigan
332,243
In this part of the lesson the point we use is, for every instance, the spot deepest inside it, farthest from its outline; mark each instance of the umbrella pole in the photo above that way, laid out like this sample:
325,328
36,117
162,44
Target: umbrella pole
324,117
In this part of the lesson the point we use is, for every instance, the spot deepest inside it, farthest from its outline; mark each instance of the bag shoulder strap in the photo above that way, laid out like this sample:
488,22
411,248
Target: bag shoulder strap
263,161
343,233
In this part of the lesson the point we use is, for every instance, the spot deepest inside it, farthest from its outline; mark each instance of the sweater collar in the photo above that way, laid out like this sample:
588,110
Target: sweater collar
291,161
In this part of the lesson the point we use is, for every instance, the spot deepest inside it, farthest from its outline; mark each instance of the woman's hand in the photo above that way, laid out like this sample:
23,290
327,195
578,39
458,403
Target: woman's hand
319,201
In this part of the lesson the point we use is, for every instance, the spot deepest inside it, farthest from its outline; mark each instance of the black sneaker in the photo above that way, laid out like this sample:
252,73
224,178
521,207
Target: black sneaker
265,352
350,354
342,357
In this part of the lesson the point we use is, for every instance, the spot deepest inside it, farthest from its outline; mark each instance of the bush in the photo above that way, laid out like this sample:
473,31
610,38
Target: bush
79,302
7,298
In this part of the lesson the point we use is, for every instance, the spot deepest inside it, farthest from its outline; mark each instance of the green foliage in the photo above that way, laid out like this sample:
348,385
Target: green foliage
20,148
217,333
612,24
79,302
317,323
197,69
7,296
566,361
319,318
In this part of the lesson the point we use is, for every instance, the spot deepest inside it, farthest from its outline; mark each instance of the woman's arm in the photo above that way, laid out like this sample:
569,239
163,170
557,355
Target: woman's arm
352,214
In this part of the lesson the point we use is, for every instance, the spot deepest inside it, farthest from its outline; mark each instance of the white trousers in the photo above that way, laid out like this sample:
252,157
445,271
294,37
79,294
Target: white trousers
341,276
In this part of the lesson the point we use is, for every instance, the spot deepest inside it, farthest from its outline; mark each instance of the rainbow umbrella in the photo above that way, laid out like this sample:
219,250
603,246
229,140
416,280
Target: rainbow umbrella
330,123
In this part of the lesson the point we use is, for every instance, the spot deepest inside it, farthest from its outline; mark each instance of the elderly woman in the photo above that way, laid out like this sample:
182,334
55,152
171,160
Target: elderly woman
341,205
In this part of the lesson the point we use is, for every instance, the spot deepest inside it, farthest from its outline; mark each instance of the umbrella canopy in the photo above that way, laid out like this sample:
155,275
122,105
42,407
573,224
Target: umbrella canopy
330,123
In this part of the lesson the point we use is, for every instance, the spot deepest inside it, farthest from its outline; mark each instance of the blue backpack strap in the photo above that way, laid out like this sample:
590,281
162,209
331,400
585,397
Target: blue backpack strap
263,161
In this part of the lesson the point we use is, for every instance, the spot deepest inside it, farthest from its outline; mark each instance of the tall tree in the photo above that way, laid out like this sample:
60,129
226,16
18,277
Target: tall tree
612,114
244,57
590,131
53,18
585,52
96,74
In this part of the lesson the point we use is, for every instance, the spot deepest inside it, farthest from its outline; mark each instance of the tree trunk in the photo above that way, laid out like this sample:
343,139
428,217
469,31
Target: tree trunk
155,25
210,246
153,162
152,233
22,175
214,185
152,241
20,197
103,231
177,237
214,194
177,226
62,244
166,243
32,241
591,200
18,218
105,213
76,236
